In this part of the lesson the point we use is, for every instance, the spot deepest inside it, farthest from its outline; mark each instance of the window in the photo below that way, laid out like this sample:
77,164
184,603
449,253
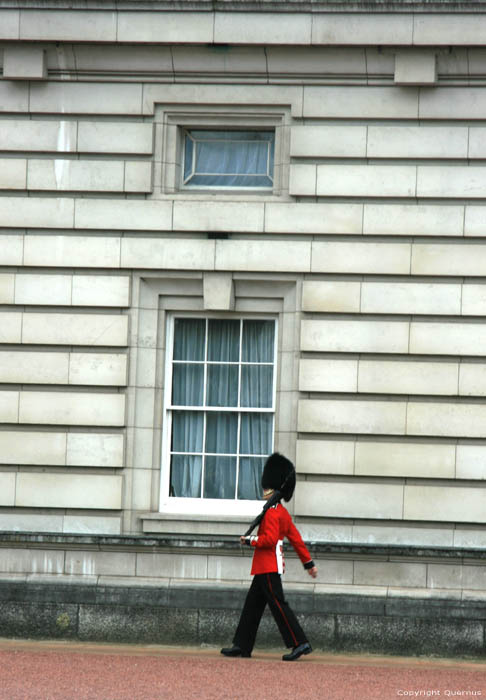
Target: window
220,407
228,159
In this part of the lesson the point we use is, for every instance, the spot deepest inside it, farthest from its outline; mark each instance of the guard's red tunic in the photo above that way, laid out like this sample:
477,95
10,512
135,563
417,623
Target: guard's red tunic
275,526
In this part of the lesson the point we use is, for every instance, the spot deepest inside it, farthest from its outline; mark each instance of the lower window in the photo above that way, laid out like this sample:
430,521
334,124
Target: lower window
220,406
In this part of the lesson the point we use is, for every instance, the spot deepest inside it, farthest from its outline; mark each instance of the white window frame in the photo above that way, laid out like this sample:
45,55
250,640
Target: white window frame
186,185
206,506
175,119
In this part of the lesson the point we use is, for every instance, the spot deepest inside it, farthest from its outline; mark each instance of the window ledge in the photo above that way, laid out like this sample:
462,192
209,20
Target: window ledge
194,524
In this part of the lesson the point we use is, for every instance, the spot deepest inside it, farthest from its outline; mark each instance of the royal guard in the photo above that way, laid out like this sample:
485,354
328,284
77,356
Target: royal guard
275,524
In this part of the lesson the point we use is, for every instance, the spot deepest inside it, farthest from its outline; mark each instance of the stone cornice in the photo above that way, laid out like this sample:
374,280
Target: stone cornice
286,6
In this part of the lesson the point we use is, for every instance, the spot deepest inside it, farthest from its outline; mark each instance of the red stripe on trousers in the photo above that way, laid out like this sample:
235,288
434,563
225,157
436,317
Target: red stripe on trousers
281,611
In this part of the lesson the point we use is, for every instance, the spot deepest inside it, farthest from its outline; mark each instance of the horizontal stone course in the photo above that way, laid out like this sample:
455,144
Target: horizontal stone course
70,408
89,491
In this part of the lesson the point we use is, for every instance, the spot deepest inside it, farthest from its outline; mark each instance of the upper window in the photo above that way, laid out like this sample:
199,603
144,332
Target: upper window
228,159
220,411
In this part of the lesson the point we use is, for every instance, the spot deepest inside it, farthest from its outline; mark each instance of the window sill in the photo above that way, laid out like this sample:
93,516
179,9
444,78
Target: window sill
195,524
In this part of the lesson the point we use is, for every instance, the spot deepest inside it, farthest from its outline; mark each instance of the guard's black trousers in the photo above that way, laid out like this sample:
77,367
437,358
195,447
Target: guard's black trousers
267,588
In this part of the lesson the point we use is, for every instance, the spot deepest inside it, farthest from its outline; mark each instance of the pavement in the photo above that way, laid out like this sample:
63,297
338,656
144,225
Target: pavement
60,670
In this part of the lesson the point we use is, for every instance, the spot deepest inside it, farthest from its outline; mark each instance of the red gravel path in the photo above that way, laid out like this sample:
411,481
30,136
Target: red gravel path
75,671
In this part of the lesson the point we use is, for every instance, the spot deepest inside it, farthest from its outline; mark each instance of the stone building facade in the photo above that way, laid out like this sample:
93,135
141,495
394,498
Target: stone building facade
347,268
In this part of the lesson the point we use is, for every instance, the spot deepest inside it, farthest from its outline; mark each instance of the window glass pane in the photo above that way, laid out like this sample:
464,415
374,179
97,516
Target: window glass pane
189,339
256,433
185,476
220,477
258,340
249,478
222,385
229,158
221,432
257,386
187,431
187,385
223,341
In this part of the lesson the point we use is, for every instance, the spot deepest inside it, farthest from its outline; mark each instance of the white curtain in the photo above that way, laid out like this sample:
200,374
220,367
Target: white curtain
207,442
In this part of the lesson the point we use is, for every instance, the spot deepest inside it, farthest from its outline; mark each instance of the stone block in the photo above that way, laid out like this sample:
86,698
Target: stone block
413,220
166,27
448,29
189,566
13,173
429,338
415,67
354,336
70,408
138,176
10,327
115,137
37,212
175,254
471,462
356,257
34,621
453,259
72,251
390,573
218,216
75,329
14,96
94,450
45,290
214,59
331,296
344,29
417,142
353,416
452,103
411,298
7,288
229,568
126,215
17,560
303,179
100,290
9,406
86,98
360,102
451,181
418,534
262,28
474,224
473,300
472,379
364,181
10,24
76,175
477,146
100,563
328,142
315,217
444,503
348,500
413,459
102,369
218,291
446,419
26,522
261,256
445,575
396,377
62,25
90,491
37,135
11,249
24,62
328,375
7,488
32,448
17,367
123,623
92,525
324,456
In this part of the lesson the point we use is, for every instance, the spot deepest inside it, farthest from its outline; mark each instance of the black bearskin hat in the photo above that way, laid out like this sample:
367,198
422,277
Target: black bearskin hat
279,474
